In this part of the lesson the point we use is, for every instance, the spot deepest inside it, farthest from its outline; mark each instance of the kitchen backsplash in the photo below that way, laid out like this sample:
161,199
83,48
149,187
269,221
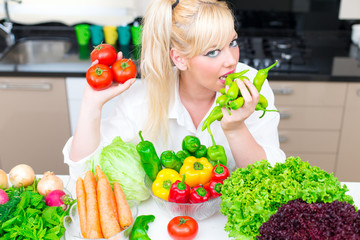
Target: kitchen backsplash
70,12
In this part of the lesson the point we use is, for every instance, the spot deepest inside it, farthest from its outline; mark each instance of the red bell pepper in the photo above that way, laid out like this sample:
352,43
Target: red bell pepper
220,172
215,188
199,194
179,191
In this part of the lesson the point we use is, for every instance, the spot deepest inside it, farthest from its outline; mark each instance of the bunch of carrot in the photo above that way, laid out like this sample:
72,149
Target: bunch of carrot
102,211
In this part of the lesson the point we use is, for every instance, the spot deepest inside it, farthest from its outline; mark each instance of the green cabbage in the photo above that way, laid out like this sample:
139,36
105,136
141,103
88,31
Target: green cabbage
121,163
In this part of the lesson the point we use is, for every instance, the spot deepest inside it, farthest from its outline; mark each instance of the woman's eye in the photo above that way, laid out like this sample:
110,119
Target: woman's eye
234,43
213,53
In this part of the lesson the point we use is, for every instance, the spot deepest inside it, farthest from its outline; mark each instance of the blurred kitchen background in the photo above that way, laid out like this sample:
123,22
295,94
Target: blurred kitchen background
44,55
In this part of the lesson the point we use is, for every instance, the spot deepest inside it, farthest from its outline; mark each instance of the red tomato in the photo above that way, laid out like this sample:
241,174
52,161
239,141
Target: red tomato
183,228
104,53
123,70
99,76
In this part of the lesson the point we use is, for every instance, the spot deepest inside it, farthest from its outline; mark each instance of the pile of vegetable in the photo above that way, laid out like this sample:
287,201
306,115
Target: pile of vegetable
108,69
103,212
27,214
250,196
312,221
192,175
121,163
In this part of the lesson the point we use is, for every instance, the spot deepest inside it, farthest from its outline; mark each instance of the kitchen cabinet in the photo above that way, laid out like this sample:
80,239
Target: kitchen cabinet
348,164
311,120
34,123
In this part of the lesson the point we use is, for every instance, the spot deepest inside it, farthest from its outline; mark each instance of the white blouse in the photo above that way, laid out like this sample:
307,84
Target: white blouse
129,116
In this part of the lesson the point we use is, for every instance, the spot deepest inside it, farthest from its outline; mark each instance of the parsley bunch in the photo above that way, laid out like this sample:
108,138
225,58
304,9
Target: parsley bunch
26,216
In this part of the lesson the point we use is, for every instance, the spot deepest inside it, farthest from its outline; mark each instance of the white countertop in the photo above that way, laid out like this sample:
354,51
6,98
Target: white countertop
211,228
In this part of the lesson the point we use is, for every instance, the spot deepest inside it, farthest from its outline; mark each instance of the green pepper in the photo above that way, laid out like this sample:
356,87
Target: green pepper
233,91
237,103
149,158
201,152
182,154
262,105
222,100
170,160
191,144
261,76
215,114
140,227
216,153
222,91
230,77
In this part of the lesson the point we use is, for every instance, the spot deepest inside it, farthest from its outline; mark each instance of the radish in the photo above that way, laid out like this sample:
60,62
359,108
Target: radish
55,198
4,198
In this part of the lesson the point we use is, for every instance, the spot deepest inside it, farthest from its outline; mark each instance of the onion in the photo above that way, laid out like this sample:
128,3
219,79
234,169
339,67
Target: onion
48,183
3,180
21,175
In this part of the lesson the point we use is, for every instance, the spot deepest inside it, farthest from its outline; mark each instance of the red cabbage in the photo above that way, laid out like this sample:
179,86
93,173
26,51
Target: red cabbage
298,220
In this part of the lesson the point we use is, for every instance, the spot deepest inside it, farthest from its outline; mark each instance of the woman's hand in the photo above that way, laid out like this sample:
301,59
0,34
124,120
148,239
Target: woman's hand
237,117
99,97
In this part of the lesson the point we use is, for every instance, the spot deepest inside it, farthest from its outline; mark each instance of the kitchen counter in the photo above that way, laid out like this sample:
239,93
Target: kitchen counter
211,228
329,55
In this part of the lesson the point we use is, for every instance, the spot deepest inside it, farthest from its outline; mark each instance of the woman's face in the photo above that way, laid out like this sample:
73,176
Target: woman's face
210,69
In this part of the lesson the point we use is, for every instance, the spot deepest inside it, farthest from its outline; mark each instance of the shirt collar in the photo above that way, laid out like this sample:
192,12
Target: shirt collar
177,109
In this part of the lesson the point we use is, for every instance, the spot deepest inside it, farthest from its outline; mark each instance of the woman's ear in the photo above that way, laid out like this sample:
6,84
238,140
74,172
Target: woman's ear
179,61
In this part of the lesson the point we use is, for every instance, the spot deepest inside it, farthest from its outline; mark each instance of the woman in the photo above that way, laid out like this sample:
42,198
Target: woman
188,48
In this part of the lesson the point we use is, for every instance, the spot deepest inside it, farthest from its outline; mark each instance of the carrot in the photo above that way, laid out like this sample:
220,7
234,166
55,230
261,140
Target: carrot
109,223
124,212
81,204
100,174
93,229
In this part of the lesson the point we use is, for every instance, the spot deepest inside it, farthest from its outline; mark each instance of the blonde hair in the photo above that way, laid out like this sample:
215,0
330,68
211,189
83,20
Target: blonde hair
192,27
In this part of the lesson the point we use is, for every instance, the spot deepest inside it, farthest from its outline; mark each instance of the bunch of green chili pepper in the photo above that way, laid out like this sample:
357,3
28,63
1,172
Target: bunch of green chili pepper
232,98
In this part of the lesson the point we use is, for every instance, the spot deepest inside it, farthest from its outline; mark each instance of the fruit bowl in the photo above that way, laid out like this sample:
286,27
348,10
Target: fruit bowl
198,211
72,224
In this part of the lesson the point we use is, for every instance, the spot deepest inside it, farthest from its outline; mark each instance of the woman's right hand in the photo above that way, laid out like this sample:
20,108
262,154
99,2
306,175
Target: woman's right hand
100,97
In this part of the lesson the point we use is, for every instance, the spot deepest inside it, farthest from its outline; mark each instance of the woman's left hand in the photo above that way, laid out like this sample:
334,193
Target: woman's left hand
237,117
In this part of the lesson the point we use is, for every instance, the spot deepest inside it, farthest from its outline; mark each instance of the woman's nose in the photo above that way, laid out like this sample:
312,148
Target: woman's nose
231,57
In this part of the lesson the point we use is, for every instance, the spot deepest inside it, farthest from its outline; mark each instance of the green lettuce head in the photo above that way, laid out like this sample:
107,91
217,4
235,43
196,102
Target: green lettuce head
121,163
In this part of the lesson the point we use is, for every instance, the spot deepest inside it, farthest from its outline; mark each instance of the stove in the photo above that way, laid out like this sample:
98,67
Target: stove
291,52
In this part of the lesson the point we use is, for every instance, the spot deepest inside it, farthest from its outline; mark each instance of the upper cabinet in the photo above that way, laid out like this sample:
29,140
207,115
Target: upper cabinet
69,12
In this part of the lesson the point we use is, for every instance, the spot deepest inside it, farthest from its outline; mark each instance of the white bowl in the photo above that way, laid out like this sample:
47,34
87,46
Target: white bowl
72,224
198,211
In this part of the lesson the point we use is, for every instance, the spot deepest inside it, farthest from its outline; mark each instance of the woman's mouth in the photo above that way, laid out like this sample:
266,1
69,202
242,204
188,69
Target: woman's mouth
223,77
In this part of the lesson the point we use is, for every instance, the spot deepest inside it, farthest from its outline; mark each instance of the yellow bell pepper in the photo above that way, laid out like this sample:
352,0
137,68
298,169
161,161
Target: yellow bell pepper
164,179
197,171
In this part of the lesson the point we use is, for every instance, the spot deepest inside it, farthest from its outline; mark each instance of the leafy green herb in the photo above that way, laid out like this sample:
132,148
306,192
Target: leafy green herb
26,216
252,194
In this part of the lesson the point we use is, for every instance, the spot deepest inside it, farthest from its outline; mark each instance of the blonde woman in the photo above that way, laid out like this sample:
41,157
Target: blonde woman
188,48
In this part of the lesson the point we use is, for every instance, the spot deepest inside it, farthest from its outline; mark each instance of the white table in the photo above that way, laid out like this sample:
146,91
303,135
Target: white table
211,228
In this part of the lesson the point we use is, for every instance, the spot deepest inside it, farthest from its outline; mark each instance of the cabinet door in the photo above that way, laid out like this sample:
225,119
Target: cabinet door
348,163
34,123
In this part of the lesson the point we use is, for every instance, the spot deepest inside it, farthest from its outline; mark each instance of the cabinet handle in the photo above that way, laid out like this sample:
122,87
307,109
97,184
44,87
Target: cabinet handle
358,92
284,115
26,86
282,91
283,139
